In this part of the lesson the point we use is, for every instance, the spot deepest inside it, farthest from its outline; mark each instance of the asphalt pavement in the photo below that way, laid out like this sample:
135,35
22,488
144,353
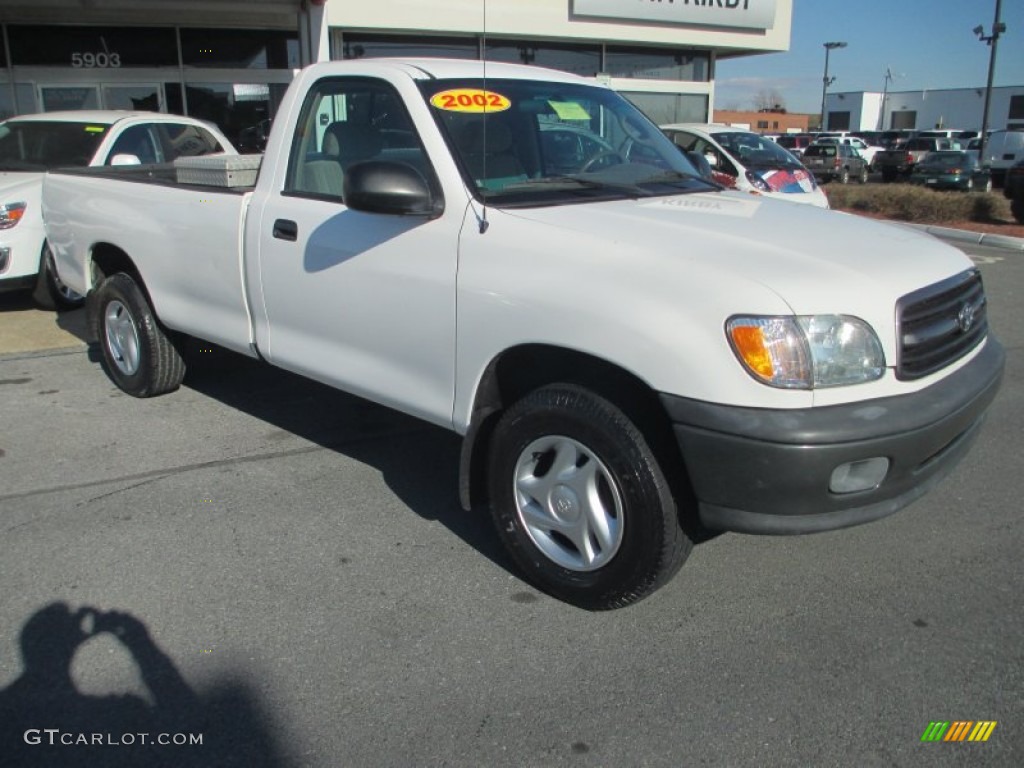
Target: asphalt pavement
285,571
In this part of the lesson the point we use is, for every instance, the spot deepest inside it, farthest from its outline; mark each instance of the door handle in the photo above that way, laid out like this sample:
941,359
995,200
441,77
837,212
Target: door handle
285,229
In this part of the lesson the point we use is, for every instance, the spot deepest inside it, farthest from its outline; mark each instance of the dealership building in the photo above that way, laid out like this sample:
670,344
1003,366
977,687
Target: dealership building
959,108
229,61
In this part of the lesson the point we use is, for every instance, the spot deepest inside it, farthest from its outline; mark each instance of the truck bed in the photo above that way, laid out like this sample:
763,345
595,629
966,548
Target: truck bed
186,238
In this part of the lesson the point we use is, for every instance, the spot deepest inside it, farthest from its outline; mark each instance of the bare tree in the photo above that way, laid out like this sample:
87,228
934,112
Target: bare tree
769,100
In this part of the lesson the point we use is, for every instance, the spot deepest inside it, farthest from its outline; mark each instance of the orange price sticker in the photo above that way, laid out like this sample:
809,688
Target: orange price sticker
470,100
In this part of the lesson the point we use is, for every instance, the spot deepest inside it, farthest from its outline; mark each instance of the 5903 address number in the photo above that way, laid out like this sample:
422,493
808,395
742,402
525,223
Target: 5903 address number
95,60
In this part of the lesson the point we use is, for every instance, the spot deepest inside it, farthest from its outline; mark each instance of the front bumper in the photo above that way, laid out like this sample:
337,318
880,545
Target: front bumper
768,471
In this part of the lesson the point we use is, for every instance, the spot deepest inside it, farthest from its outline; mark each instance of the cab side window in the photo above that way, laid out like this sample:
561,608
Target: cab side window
345,121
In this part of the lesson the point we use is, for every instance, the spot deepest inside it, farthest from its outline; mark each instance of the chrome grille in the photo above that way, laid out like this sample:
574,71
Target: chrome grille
940,324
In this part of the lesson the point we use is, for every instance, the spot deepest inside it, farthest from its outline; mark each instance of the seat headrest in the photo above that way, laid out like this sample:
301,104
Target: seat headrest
352,142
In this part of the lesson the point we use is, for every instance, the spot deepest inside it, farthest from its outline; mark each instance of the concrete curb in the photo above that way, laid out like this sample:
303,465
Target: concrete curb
978,238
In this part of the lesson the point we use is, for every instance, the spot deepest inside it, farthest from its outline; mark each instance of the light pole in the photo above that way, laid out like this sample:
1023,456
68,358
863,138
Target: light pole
885,95
993,40
826,81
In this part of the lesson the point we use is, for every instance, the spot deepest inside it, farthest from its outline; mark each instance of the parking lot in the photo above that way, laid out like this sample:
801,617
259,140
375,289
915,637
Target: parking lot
285,570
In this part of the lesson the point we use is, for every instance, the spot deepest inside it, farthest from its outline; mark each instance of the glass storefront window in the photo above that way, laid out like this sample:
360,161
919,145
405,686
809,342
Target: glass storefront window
377,46
19,99
240,48
663,108
57,98
657,64
132,97
94,48
584,60
238,109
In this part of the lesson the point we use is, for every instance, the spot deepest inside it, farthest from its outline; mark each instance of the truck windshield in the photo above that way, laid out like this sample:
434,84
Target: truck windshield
524,142
42,145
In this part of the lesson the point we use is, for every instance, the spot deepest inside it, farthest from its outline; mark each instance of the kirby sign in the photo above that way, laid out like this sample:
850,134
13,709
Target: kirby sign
742,14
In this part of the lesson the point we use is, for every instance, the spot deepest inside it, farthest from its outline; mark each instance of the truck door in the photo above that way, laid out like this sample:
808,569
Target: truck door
361,301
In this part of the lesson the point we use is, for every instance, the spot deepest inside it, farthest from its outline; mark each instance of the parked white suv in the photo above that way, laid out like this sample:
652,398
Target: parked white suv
30,145
748,162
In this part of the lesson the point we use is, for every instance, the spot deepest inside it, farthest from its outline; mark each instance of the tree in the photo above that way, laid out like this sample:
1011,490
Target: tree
769,100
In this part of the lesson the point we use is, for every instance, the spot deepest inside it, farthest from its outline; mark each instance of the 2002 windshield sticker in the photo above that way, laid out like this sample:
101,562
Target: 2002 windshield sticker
470,100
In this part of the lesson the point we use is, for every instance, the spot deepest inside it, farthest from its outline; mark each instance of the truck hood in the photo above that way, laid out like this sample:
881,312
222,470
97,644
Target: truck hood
793,250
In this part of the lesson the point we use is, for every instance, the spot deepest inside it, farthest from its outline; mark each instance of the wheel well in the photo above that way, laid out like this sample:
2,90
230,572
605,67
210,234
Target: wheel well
107,260
520,370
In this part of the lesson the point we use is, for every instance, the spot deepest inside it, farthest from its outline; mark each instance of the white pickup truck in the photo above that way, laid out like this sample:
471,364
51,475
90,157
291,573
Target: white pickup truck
633,356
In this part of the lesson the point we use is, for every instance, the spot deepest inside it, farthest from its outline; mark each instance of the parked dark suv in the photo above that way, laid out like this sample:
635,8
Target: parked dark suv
835,161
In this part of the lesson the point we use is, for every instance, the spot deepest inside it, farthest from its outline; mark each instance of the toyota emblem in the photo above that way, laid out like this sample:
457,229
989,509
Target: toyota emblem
965,318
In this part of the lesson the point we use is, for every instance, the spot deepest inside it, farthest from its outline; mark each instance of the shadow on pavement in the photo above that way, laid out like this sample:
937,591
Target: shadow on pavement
418,461
46,721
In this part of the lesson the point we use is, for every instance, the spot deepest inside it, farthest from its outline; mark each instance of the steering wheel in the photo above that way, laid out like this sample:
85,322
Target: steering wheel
591,162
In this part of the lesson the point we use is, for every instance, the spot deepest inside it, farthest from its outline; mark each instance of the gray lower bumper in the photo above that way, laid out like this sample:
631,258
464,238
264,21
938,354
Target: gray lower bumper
768,471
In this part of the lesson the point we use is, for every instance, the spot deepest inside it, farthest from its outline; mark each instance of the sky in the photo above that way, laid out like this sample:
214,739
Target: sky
926,44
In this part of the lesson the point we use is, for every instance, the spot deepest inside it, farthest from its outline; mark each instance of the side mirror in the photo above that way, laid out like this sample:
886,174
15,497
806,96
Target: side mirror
125,159
381,186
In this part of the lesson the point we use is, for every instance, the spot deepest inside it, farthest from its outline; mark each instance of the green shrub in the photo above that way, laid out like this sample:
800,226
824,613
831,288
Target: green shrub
906,202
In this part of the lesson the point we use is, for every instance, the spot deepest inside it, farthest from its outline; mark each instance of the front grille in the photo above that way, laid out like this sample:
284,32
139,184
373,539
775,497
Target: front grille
940,324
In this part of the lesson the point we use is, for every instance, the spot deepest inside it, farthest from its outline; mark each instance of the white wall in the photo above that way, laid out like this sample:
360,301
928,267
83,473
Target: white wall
955,107
551,19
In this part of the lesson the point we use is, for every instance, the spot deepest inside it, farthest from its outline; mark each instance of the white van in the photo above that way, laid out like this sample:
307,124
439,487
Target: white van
1003,149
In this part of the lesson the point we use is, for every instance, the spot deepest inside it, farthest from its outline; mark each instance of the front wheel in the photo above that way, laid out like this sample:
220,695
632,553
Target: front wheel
863,178
580,501
137,353
844,176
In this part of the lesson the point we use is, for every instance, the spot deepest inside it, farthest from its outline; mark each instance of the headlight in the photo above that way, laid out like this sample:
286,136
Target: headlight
807,351
11,214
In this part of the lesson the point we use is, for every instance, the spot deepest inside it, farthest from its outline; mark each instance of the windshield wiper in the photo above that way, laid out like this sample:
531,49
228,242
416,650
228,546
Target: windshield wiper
583,181
669,176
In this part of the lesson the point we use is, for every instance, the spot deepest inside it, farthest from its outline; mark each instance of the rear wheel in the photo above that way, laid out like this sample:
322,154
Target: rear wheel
580,502
138,354
50,291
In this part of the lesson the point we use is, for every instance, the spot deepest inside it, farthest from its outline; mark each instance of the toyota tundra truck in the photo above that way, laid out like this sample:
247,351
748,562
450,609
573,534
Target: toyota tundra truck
633,356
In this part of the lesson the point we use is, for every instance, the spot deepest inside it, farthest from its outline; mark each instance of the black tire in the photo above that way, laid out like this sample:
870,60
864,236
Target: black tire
888,175
1017,207
863,177
844,176
138,354
643,543
50,292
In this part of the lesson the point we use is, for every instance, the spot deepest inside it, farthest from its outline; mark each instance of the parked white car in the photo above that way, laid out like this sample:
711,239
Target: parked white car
1002,150
749,162
30,145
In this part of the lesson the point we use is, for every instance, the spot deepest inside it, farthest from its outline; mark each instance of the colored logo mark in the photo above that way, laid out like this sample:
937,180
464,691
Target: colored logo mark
959,730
